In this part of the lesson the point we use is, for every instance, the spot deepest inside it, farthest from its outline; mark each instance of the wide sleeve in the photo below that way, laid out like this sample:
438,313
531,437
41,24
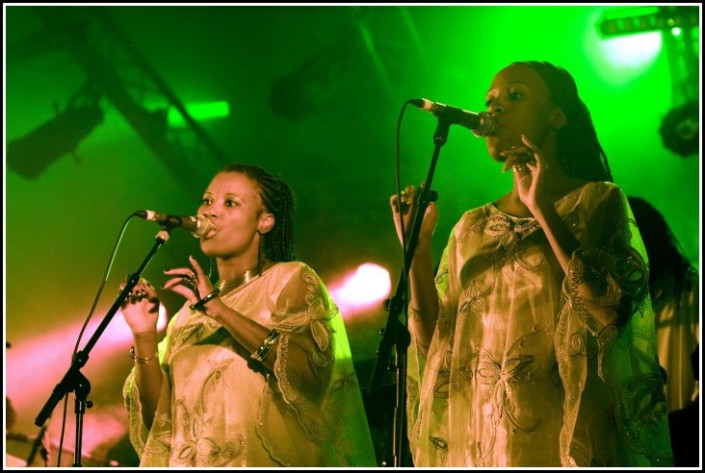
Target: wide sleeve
608,313
329,410
426,373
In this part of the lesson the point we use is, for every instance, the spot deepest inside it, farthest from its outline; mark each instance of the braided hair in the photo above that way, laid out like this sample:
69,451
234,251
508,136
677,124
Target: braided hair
671,274
278,199
579,151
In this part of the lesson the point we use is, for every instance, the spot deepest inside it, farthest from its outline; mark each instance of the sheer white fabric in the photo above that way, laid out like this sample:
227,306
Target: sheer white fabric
525,367
678,335
215,410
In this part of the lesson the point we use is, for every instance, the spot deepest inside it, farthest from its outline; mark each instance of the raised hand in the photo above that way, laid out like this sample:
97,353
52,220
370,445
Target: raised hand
407,210
141,307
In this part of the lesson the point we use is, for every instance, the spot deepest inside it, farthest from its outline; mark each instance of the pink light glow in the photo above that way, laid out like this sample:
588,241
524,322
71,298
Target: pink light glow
33,367
362,290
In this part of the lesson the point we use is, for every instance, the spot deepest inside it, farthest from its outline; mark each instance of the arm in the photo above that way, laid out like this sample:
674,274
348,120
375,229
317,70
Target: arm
424,296
141,312
300,321
605,276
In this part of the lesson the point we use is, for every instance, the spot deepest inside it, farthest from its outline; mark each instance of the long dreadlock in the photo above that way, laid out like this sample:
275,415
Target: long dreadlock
579,151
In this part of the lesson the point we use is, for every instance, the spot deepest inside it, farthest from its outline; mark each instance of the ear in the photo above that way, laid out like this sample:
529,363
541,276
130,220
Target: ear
266,222
558,119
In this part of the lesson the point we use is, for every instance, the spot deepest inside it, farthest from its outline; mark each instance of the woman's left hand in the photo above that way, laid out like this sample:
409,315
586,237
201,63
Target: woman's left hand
529,168
191,283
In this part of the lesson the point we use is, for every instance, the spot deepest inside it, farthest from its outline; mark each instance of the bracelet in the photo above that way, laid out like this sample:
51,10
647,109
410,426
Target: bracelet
141,360
261,353
199,305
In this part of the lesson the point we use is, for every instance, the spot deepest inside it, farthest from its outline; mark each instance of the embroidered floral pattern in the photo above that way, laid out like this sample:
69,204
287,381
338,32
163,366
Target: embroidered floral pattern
201,421
473,299
513,367
197,446
508,234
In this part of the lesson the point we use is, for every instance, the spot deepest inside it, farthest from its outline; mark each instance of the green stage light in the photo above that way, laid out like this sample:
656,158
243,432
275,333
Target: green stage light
200,112
620,22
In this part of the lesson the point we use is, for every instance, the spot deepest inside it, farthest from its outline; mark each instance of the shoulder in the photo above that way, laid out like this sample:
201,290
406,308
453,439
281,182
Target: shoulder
474,216
602,188
592,196
291,270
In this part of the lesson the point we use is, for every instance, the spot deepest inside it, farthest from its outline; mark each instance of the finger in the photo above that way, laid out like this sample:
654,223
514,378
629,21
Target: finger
179,281
134,296
196,268
528,143
531,149
204,286
394,203
180,272
186,293
181,275
406,197
513,160
520,168
540,163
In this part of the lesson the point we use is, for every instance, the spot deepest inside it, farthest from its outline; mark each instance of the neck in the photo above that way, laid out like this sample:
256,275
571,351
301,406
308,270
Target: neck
239,279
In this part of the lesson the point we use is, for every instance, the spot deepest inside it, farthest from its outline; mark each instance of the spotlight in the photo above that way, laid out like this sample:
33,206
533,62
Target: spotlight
680,129
361,290
641,20
30,155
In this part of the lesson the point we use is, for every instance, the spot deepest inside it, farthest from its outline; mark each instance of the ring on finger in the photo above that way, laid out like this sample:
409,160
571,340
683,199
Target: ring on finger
137,295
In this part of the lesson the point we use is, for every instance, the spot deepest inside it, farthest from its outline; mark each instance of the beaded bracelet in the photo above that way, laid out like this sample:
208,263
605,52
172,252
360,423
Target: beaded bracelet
199,305
261,353
141,360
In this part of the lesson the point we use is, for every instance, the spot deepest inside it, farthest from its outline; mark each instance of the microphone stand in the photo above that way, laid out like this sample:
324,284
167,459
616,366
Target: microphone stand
74,380
395,332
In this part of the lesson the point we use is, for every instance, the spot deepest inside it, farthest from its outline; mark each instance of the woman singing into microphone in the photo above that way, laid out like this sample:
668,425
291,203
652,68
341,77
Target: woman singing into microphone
255,371
533,343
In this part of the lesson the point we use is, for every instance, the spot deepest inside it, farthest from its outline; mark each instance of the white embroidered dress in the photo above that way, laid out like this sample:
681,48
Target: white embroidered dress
215,410
521,370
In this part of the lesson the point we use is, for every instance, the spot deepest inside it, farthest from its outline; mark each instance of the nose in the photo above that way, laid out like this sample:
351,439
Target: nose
208,212
496,107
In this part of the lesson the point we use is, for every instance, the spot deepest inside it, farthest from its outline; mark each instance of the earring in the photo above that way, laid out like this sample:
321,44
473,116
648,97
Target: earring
210,268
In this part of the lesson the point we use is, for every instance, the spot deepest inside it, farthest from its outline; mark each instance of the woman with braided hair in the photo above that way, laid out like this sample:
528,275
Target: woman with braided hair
255,371
533,344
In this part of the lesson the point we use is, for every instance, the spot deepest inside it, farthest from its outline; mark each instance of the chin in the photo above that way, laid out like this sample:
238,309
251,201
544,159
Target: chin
207,248
493,148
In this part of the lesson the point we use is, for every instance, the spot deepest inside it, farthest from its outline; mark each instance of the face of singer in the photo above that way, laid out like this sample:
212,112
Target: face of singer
233,204
520,101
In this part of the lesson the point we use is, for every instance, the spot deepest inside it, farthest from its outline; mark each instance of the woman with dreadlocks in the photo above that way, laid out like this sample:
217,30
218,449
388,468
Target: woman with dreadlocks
255,371
533,344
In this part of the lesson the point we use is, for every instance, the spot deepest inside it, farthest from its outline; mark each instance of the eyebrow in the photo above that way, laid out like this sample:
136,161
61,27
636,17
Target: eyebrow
514,82
227,194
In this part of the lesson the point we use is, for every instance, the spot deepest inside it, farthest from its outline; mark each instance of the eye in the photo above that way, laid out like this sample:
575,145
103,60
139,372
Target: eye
514,95
488,103
206,201
231,203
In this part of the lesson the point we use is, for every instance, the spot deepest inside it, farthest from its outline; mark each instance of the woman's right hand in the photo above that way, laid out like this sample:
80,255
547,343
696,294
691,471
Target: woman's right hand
141,308
409,204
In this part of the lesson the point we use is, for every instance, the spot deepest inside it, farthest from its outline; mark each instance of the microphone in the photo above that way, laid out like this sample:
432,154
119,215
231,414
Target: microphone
200,226
481,124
